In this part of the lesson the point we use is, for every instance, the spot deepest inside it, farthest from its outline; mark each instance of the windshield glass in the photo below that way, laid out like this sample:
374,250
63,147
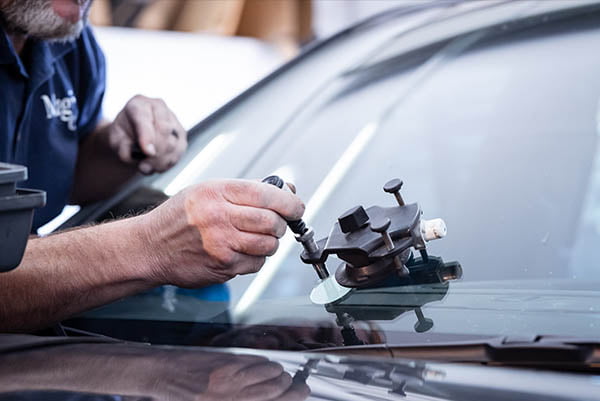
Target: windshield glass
495,130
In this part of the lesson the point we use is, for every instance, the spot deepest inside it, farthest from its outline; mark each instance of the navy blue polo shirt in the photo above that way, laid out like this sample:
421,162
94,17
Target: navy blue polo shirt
50,99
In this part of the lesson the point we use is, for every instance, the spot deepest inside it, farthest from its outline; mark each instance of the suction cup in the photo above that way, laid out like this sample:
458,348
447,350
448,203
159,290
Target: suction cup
328,291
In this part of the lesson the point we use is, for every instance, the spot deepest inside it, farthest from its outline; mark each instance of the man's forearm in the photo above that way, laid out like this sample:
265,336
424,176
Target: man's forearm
205,234
99,173
68,273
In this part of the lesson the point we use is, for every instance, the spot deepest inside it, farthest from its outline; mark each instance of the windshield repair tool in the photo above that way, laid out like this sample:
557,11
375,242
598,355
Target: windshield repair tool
16,214
379,278
305,235
385,279
376,243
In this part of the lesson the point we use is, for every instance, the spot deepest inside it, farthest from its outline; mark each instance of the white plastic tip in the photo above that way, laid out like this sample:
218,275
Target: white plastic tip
328,291
433,229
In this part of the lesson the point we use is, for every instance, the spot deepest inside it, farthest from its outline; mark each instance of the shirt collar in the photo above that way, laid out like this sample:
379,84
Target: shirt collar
7,51
50,51
59,49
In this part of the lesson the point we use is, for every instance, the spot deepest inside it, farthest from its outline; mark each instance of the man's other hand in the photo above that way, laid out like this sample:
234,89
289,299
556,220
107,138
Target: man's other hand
147,133
211,232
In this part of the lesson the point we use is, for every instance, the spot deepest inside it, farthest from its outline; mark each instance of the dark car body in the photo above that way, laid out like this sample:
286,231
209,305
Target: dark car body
489,112
37,368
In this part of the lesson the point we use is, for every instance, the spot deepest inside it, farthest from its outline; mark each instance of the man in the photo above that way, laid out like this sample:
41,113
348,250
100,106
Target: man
50,109
51,90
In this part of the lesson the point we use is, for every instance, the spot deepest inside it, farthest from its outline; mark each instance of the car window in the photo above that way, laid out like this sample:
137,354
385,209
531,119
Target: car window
495,131
479,138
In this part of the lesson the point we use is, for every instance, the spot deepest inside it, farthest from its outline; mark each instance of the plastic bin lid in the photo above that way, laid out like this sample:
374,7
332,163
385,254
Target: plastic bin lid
10,173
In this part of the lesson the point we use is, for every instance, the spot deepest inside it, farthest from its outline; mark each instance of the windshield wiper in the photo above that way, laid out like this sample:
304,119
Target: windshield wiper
548,352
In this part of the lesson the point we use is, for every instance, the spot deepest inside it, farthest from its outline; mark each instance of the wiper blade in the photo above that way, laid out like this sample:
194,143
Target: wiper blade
550,352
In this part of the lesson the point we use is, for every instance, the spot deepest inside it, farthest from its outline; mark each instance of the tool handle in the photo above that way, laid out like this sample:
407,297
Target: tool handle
137,153
298,227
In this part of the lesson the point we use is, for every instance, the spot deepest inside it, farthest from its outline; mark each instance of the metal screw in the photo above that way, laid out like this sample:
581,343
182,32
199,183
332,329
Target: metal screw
310,246
381,227
424,323
393,187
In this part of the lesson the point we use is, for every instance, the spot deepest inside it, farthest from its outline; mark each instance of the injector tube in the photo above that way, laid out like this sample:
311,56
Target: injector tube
303,233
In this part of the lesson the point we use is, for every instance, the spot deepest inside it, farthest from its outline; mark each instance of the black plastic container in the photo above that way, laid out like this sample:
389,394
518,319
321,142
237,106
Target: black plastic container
16,214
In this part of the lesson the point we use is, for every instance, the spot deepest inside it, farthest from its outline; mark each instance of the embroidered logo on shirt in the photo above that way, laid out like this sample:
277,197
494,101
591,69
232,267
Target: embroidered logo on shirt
63,109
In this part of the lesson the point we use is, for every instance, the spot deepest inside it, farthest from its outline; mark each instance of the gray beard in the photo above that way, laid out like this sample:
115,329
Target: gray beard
37,19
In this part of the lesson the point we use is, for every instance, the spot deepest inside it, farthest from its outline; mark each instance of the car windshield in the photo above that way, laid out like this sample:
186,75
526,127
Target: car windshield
489,115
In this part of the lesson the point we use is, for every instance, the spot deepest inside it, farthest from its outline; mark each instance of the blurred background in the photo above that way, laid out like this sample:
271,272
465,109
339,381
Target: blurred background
199,54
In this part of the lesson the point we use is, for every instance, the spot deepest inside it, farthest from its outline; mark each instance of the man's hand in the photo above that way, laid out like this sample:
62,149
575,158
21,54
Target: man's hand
145,136
149,126
206,234
212,232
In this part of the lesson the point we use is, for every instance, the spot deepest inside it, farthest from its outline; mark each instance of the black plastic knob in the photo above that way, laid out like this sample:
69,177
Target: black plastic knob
274,180
353,219
298,227
381,226
393,185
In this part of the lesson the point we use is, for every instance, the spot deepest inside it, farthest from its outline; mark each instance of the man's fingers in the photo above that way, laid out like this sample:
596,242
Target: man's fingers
256,220
151,126
260,380
258,373
140,115
170,139
163,124
146,167
220,377
254,244
228,238
265,196
269,389
249,264
237,363
122,143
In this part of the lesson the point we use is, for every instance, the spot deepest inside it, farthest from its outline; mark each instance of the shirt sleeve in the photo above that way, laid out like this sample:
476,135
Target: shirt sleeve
92,83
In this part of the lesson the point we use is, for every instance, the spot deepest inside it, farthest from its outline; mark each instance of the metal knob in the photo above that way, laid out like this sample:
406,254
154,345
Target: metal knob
381,227
393,187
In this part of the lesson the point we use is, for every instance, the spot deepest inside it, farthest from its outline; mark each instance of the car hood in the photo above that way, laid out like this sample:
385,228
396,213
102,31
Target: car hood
89,368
